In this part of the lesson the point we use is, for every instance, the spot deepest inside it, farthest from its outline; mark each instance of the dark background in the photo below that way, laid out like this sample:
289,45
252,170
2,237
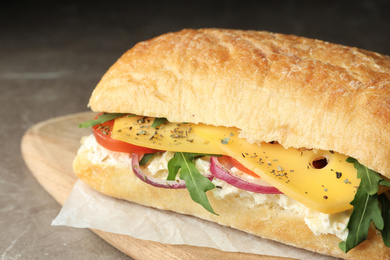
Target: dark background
53,53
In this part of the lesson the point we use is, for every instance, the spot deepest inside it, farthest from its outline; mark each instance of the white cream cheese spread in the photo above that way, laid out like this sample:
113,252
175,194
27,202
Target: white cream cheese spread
98,154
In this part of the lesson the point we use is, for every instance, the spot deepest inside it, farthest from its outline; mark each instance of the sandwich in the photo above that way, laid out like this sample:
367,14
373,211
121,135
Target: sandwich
280,136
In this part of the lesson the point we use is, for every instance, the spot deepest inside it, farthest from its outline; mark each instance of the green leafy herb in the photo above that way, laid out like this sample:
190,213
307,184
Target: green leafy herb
196,183
385,205
158,121
384,183
366,208
370,179
145,159
101,119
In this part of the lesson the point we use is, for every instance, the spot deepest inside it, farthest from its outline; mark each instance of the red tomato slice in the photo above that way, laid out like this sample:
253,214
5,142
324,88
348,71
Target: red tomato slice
238,165
102,133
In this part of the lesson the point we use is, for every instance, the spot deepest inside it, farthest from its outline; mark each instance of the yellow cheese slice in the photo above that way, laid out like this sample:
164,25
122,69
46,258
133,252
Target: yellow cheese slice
328,189
167,137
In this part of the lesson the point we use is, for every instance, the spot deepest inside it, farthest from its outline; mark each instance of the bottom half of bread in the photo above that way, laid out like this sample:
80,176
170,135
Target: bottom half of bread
265,220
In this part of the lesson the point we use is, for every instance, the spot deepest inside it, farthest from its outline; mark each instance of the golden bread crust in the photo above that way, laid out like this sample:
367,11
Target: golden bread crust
267,220
300,92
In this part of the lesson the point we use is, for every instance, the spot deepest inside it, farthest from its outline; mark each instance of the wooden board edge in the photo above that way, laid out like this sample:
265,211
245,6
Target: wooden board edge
59,184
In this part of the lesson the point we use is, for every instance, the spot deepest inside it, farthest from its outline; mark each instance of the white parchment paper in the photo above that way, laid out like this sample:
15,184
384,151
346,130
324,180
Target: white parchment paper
87,208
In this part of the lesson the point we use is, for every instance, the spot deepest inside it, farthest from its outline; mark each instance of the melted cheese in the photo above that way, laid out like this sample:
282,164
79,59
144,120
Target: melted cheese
328,190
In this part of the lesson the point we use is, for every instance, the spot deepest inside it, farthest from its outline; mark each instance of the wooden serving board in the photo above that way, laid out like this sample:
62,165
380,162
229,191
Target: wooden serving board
48,149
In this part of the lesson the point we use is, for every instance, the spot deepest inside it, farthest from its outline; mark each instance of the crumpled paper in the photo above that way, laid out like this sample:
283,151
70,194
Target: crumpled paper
87,208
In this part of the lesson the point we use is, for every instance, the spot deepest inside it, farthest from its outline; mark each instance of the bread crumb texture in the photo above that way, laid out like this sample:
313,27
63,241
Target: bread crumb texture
300,92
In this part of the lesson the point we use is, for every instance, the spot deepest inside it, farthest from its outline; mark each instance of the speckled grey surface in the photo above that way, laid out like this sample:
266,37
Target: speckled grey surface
52,56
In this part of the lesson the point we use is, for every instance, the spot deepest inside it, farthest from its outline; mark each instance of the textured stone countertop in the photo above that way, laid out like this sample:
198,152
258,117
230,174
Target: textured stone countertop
52,56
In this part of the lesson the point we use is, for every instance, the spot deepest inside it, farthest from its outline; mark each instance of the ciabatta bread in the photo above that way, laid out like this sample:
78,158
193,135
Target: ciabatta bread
297,91
301,92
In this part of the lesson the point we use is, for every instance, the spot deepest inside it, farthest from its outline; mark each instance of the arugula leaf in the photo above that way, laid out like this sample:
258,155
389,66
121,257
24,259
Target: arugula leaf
145,159
159,121
385,204
370,178
101,119
384,183
365,210
196,183
173,167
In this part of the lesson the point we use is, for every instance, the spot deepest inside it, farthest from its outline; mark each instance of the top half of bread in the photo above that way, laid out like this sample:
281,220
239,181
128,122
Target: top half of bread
294,90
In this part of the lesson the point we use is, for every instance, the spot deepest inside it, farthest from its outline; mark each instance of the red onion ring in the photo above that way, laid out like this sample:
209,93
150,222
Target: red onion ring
176,184
221,172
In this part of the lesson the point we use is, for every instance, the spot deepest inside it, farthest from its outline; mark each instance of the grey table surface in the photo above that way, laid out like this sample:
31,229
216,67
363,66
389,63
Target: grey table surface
52,54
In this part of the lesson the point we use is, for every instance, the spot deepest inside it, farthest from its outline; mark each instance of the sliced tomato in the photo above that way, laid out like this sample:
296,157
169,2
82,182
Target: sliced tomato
238,165
102,133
